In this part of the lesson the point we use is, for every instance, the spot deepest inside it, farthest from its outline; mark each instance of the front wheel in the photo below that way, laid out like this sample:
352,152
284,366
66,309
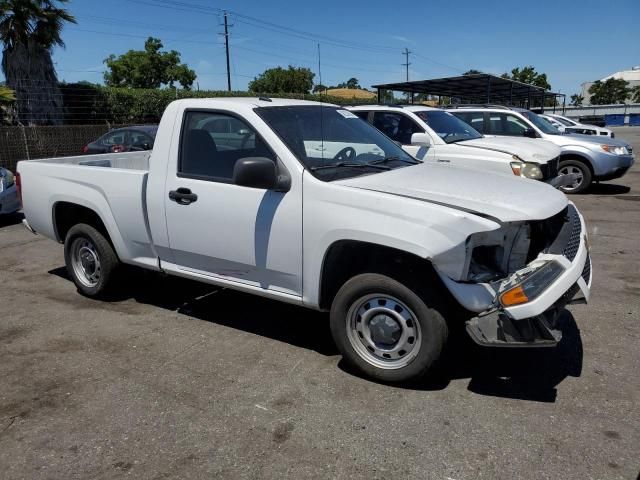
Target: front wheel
91,261
386,330
580,171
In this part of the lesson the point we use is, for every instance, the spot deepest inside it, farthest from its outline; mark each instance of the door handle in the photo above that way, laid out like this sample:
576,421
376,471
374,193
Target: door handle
442,160
183,196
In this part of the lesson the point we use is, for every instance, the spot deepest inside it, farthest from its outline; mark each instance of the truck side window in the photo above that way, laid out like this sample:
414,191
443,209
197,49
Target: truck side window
396,126
211,143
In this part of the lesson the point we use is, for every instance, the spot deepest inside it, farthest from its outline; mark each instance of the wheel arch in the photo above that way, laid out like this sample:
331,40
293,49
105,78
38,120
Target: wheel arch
67,214
345,259
578,157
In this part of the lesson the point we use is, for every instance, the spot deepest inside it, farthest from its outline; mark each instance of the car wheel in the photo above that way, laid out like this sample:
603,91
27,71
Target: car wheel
386,330
91,261
582,175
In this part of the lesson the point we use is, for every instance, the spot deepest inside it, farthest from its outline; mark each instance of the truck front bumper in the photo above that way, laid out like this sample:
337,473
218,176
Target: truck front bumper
532,323
498,329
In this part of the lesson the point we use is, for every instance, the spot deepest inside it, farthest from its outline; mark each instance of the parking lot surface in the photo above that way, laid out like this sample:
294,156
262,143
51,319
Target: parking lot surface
181,380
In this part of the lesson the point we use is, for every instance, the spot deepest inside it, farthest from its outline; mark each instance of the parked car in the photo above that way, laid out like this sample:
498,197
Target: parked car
567,125
434,135
325,212
553,122
127,139
587,158
9,196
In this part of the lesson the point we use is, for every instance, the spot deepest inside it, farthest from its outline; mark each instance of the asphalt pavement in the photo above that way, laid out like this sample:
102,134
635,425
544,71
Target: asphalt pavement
182,380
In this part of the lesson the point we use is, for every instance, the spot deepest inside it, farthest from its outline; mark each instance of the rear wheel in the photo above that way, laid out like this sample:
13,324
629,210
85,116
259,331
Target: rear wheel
91,260
581,172
386,330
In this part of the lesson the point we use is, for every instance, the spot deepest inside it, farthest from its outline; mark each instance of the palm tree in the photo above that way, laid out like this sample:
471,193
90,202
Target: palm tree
29,29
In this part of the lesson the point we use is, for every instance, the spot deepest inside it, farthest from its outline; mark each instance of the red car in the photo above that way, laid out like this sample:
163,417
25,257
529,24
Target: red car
126,139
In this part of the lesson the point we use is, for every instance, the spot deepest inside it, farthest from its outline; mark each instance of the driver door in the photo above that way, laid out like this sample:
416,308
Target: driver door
245,235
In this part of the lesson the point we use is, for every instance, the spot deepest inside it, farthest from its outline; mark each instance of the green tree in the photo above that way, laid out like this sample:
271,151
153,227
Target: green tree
577,99
29,29
528,75
472,71
148,68
613,90
319,88
280,80
353,83
635,94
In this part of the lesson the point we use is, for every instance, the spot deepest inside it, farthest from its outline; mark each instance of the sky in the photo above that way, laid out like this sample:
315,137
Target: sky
571,41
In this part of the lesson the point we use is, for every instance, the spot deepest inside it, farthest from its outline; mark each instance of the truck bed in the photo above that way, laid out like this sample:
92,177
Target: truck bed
112,184
123,161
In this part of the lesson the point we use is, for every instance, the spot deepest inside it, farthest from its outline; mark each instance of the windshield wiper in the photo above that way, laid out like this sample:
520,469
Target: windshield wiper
349,165
394,158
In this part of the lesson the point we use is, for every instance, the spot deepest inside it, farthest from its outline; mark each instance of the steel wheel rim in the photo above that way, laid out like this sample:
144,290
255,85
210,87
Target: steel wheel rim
569,169
85,262
383,331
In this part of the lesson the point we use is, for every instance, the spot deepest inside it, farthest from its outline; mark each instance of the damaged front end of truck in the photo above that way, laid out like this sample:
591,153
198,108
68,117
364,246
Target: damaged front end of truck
517,278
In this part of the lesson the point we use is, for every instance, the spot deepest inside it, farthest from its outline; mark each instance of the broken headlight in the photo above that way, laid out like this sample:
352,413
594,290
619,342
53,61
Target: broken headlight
527,285
498,253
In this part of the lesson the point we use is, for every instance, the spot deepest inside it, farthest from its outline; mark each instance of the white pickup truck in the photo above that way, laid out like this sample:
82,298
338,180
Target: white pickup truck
308,204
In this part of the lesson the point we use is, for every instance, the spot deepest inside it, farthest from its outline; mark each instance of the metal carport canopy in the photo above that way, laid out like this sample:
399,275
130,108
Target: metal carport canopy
480,87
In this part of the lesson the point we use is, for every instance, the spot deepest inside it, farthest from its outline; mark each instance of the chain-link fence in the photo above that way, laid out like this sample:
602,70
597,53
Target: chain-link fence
28,143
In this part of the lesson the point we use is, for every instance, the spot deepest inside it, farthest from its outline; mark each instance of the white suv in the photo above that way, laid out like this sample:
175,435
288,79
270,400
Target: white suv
571,126
432,134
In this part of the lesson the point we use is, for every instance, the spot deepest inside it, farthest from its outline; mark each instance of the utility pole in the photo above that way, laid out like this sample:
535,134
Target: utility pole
406,64
226,45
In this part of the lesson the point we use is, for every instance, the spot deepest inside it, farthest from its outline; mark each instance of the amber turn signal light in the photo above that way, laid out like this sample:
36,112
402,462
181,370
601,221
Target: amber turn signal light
515,296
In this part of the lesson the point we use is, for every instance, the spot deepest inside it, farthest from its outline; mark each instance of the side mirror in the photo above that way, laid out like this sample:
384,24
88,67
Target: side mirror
420,140
530,132
259,172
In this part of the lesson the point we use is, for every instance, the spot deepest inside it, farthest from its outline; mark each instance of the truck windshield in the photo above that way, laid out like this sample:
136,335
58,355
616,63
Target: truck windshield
333,143
544,125
448,127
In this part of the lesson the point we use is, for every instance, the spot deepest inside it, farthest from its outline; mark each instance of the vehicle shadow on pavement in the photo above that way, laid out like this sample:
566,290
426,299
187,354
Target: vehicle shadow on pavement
525,374
279,321
10,219
607,189
521,374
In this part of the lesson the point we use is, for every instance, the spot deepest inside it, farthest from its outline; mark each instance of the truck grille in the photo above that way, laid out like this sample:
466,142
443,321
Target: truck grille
550,169
586,271
571,248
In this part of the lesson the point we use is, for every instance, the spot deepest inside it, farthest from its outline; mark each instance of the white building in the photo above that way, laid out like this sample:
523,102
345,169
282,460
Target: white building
632,76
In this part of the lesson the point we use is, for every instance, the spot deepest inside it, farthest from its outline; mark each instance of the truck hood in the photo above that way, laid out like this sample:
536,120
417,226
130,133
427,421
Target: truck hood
506,198
527,149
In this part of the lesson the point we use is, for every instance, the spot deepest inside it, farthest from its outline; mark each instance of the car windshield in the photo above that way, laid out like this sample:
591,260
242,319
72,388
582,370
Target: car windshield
544,125
564,121
333,143
448,127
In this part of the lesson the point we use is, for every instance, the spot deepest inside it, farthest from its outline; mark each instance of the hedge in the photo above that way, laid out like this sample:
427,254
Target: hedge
88,104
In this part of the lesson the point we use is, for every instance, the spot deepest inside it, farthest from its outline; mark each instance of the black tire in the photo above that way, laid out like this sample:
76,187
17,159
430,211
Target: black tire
99,247
585,171
431,332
